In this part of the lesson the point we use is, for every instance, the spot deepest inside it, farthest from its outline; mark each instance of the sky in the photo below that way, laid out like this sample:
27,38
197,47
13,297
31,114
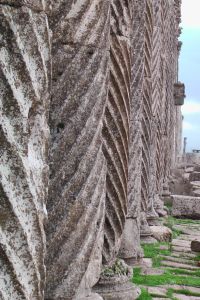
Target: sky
189,71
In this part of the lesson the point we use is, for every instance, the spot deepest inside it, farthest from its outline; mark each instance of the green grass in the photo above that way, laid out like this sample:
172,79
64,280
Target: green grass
144,295
170,222
187,221
171,291
167,278
170,294
153,251
170,276
197,257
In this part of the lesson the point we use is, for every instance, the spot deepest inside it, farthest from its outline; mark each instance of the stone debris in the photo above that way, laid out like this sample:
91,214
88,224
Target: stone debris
161,233
195,246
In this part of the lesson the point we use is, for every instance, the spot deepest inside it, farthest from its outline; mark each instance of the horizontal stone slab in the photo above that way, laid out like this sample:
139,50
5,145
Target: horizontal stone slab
186,206
194,176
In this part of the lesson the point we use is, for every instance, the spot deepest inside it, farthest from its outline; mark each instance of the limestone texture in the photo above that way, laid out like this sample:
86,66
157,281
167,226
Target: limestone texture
76,204
186,206
116,128
24,133
91,129
161,233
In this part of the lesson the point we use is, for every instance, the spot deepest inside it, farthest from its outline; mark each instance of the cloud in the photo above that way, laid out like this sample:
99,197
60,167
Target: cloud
191,107
190,14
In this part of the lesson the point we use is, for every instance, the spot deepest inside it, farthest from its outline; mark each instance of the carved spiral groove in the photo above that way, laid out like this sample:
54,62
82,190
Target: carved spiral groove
78,169
24,77
116,128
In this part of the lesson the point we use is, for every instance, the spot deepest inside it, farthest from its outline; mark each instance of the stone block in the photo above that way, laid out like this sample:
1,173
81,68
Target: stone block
161,233
115,284
195,246
186,206
195,176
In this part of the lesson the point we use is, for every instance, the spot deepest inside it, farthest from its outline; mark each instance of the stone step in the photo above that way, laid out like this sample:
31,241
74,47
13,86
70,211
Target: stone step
184,297
176,287
158,298
172,264
178,260
157,291
181,243
188,237
152,271
181,249
186,230
185,255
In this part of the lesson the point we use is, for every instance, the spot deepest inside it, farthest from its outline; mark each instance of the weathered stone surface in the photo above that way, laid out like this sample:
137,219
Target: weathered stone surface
76,201
24,133
116,285
128,247
158,291
194,176
186,206
116,128
184,297
115,135
195,245
146,203
161,233
35,5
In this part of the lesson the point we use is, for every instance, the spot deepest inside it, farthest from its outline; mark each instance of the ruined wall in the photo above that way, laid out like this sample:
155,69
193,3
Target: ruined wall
114,134
24,103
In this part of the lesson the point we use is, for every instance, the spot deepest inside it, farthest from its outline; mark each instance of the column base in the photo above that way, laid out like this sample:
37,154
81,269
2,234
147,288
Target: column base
131,250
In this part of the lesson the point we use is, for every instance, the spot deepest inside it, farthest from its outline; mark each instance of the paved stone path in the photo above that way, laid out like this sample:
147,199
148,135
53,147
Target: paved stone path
181,258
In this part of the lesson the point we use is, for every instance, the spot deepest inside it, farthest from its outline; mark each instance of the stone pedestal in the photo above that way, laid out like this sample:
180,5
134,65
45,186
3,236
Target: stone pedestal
115,283
152,216
131,250
159,206
165,192
92,296
145,231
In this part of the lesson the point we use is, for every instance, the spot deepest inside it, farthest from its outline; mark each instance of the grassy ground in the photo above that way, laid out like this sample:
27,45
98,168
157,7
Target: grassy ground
144,295
154,252
171,276
167,278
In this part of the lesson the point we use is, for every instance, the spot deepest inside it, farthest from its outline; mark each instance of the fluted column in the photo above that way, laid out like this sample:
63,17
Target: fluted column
24,104
76,203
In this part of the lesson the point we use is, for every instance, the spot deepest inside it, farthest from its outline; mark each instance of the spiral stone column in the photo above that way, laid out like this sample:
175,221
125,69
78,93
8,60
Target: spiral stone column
116,150
130,249
146,201
116,128
76,204
24,133
156,139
